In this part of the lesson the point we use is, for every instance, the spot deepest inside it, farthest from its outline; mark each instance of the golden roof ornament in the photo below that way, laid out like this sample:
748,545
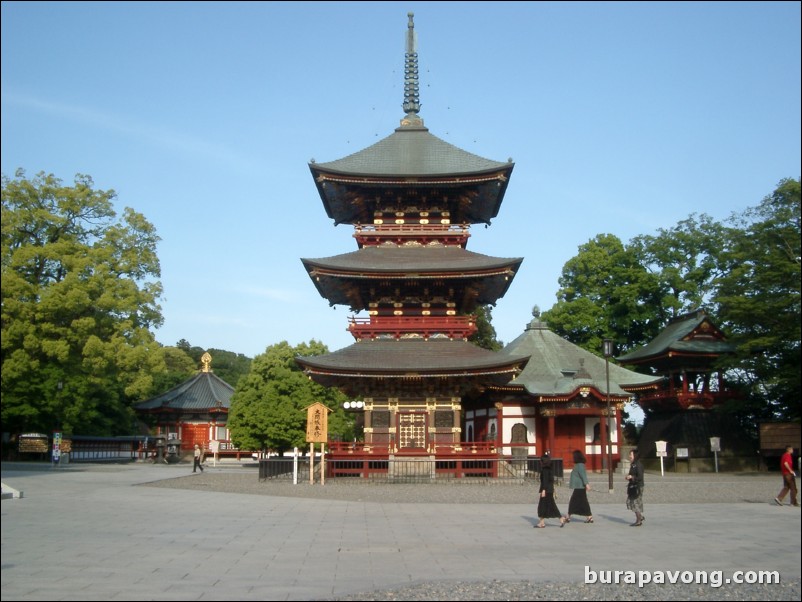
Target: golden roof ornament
206,360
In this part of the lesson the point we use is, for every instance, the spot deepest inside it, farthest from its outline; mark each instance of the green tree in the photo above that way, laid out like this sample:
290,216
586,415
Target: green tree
685,262
228,365
485,336
79,297
605,292
759,303
268,408
746,273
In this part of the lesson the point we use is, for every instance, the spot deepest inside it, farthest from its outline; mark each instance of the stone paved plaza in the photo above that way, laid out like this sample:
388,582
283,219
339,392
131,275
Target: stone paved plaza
149,532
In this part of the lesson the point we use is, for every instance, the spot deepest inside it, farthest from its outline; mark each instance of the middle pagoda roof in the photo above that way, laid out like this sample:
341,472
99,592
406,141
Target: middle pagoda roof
356,279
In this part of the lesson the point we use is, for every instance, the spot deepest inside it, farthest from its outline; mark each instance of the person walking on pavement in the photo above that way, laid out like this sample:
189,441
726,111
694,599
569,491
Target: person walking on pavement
578,504
789,478
635,488
197,460
546,506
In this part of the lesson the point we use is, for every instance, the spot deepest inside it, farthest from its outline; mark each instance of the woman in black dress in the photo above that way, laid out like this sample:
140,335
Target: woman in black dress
546,506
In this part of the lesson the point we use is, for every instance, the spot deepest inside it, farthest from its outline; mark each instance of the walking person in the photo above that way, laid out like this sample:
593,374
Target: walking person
197,460
578,504
789,477
546,506
635,488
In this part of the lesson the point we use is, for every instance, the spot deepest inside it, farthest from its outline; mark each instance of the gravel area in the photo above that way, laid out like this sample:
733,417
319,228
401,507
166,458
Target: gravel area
668,489
527,590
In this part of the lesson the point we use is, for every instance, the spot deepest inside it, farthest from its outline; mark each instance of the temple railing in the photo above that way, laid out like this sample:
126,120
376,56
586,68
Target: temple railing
454,327
376,234
685,400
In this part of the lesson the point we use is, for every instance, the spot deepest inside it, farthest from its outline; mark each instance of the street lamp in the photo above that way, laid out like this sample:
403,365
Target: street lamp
608,351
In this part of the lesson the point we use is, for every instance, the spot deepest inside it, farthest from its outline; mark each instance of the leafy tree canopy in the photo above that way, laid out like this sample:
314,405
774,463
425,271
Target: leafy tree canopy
744,272
80,296
485,337
758,299
228,365
605,293
268,408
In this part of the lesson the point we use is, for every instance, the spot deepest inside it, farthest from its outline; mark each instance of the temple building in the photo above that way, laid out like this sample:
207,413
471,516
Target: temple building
685,352
411,199
682,411
196,411
565,399
428,393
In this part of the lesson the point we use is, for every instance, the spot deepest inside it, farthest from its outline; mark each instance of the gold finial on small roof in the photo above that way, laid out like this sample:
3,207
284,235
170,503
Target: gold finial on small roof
206,360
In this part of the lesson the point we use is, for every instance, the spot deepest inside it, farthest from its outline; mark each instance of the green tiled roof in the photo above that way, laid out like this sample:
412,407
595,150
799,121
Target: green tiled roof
413,152
557,367
684,334
402,357
204,391
413,259
348,279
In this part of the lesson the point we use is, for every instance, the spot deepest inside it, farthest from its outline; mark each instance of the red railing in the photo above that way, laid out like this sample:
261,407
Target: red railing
707,399
466,448
374,234
465,459
454,327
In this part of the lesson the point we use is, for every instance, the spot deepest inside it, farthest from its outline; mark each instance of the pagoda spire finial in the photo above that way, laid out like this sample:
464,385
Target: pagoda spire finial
411,104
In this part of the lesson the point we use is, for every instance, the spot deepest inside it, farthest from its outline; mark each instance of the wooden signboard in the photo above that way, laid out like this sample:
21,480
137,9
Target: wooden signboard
317,423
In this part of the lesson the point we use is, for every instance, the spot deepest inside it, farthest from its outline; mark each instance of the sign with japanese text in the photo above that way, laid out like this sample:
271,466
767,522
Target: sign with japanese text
317,423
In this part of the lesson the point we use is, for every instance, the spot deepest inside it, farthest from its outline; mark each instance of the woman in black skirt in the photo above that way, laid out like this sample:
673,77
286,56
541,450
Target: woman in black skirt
578,504
546,506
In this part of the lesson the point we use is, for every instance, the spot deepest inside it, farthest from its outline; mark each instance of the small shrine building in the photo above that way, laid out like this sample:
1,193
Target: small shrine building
558,403
196,411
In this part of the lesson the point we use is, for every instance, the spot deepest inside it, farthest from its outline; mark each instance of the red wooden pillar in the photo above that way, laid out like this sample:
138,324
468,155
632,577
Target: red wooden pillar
551,433
499,422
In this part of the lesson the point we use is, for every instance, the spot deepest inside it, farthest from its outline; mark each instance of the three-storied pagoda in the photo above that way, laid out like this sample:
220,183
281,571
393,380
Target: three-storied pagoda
411,199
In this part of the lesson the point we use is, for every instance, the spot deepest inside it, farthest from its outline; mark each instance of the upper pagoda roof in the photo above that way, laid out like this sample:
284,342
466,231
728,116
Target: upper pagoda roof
688,335
411,157
412,152
203,392
558,368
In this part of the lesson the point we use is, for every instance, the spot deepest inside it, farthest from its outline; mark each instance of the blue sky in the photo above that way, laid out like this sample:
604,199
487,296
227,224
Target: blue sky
621,118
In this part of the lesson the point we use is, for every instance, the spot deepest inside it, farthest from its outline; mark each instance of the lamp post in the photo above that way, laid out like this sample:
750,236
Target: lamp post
608,351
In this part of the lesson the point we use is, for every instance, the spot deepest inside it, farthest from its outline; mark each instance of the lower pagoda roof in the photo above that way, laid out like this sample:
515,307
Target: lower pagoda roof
411,358
340,278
